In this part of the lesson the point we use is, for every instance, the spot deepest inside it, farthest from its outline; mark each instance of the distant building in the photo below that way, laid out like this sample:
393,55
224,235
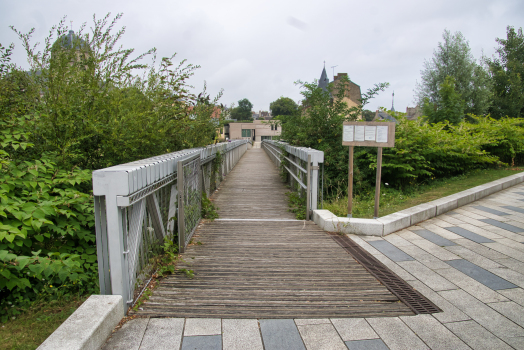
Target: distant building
257,130
413,113
352,93
381,115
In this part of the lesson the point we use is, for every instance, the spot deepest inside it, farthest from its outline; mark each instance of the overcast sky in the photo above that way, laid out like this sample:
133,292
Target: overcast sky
256,49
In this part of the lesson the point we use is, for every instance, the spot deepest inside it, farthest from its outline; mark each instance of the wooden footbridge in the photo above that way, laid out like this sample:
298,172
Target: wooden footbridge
255,261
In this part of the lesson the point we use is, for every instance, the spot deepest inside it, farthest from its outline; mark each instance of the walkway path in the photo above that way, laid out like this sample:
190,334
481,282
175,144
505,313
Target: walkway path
265,264
469,262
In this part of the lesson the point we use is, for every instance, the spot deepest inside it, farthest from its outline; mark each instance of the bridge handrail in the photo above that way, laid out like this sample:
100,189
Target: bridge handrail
135,204
311,158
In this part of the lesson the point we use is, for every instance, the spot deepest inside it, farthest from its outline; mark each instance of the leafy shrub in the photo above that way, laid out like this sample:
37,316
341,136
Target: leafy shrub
47,244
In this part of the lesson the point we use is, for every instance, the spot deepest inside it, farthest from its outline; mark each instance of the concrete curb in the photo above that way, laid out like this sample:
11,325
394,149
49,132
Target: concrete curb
397,221
89,326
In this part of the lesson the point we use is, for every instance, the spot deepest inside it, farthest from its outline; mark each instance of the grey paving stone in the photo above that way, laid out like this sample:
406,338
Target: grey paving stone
163,334
521,199
397,241
321,336
473,257
435,250
390,251
280,334
476,336
464,211
422,256
433,237
516,294
481,249
469,235
202,342
433,333
521,193
202,326
353,328
509,275
471,286
450,219
502,225
511,310
129,336
517,209
427,276
483,276
513,264
442,232
508,251
241,334
484,231
489,210
488,318
450,313
395,268
451,213
396,334
369,344
516,342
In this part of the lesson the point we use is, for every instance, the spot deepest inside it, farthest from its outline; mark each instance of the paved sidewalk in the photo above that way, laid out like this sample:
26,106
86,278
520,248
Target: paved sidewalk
469,262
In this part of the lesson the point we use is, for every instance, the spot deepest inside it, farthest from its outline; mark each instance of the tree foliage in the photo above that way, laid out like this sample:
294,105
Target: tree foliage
100,106
448,106
507,72
318,124
283,106
453,58
243,110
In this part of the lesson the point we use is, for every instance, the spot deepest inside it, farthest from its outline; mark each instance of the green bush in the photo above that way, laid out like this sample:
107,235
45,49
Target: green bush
47,243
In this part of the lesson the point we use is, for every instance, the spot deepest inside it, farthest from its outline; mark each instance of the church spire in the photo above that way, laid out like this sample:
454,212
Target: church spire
324,80
393,101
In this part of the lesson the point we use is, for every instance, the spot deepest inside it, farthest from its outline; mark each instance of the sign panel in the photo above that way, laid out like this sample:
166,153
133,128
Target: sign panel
368,134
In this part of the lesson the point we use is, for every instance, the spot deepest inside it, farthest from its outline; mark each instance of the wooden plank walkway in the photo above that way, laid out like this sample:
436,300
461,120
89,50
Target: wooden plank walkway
270,266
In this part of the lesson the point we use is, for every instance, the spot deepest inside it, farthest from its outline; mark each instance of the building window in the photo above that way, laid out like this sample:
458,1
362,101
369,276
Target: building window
271,127
266,138
246,132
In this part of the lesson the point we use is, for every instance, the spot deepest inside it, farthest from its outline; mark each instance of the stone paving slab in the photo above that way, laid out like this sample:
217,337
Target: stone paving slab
241,334
483,276
503,225
490,210
476,336
202,342
517,209
281,334
390,251
396,334
353,329
433,237
469,235
369,344
163,334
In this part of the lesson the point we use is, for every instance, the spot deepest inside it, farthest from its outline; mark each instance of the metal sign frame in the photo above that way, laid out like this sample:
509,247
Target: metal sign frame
367,134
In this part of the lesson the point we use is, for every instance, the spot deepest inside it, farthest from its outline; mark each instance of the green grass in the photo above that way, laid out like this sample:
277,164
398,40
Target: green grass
392,200
29,329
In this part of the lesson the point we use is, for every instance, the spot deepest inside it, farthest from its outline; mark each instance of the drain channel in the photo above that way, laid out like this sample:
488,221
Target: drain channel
396,285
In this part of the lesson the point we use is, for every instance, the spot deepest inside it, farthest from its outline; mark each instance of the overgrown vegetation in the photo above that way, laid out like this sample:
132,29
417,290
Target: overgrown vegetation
84,104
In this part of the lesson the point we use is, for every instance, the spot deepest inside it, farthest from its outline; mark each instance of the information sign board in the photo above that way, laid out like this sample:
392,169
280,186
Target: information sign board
368,134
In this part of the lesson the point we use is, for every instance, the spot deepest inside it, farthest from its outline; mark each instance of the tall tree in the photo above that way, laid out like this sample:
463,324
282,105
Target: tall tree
243,111
283,106
453,58
507,72
449,105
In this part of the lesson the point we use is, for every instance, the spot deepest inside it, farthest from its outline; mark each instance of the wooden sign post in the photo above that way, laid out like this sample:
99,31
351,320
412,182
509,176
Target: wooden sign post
367,134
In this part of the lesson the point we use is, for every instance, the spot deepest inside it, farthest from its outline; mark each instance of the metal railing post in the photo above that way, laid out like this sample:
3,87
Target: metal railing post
181,223
314,184
308,190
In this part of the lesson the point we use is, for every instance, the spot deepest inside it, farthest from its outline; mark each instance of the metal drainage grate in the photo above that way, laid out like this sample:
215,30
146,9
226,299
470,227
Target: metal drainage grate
406,293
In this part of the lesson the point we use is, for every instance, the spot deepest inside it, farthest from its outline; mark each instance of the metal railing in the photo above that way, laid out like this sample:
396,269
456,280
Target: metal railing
140,204
302,164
